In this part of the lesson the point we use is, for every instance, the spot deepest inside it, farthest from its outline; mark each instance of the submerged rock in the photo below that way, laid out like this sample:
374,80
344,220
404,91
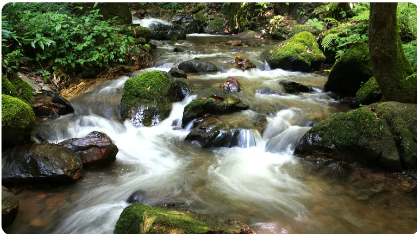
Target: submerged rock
231,85
369,92
243,63
43,163
9,207
382,135
140,218
94,149
350,71
299,53
197,66
17,120
294,87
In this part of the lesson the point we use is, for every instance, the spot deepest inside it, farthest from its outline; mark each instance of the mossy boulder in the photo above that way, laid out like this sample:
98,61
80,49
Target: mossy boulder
299,53
139,218
16,87
369,92
43,163
7,87
17,120
381,135
9,207
142,32
197,66
350,71
147,99
301,28
212,101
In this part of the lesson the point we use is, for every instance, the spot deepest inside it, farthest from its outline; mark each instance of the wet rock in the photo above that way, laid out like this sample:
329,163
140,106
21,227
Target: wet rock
299,53
50,110
294,87
234,43
350,71
168,32
60,100
249,34
43,163
137,196
381,135
176,49
197,66
175,72
9,207
231,84
212,101
213,132
140,218
147,99
269,91
17,121
141,32
94,149
243,63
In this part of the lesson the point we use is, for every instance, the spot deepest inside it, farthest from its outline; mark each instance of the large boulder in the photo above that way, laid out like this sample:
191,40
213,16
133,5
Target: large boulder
381,135
142,32
147,99
350,71
142,219
17,120
9,207
212,101
94,149
168,32
43,163
369,93
197,66
299,53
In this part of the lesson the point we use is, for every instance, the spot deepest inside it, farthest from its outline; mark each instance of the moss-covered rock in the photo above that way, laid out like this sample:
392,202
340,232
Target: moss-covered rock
381,135
299,53
350,71
142,32
139,218
17,120
215,26
9,207
147,98
18,88
7,87
369,92
301,28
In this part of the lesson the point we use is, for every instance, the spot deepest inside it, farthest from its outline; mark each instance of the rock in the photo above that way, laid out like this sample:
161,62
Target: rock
50,109
299,53
243,63
197,66
9,207
350,71
60,100
369,92
213,132
269,91
43,163
381,135
141,32
23,90
294,87
94,149
249,34
231,85
212,101
137,196
168,32
7,87
147,99
234,43
175,72
17,121
140,218
176,50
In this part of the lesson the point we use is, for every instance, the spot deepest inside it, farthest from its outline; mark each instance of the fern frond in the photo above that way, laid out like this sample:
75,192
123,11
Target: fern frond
328,40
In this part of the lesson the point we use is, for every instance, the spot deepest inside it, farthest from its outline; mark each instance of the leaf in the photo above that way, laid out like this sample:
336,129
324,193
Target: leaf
41,44
57,27
104,34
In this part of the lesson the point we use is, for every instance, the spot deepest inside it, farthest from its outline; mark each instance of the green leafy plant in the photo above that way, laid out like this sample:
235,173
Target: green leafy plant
315,23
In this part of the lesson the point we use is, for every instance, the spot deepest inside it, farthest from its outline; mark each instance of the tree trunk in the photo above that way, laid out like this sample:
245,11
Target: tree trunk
389,64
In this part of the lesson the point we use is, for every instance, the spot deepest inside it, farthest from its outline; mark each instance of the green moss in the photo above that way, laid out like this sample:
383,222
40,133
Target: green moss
369,92
142,32
7,87
216,25
140,218
301,28
200,17
23,89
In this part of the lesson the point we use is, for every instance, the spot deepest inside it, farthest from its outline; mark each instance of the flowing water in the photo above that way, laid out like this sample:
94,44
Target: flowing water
260,182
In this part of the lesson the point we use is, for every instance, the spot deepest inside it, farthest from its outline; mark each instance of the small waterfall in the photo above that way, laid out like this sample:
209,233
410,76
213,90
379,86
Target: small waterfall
150,22
248,138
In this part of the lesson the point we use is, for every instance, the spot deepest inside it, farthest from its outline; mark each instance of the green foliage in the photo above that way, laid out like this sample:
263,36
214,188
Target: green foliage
410,50
316,23
407,17
200,16
74,42
216,25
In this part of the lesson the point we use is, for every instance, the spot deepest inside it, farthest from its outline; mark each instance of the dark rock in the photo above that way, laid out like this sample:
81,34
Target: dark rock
269,91
382,135
350,71
9,207
168,32
137,196
197,66
94,149
50,109
60,100
176,50
294,87
175,72
44,163
243,63
231,84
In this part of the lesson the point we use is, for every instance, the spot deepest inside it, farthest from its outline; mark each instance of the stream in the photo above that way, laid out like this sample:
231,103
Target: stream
260,182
